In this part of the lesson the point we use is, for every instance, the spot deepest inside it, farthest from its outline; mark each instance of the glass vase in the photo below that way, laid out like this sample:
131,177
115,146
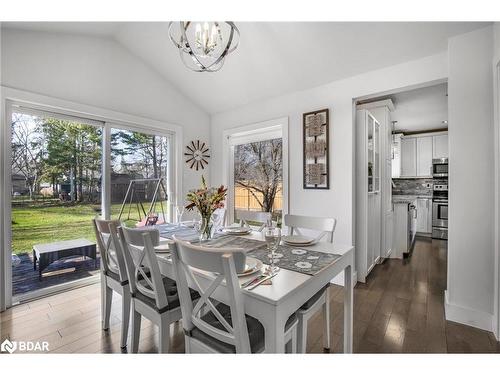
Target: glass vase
206,226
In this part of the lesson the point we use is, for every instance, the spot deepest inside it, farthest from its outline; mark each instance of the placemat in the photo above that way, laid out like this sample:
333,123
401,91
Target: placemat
292,258
182,232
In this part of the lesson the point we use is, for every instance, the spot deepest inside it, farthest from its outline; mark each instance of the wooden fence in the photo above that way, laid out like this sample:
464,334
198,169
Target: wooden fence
244,200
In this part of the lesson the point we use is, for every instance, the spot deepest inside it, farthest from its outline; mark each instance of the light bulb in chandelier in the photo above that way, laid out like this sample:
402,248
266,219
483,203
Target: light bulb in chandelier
204,46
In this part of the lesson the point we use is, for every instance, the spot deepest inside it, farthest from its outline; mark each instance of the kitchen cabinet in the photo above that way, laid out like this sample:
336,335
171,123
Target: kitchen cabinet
405,226
424,156
408,157
382,113
368,192
424,215
440,146
417,152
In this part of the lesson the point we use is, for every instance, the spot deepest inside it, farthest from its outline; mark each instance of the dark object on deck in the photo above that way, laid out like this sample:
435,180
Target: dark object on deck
48,253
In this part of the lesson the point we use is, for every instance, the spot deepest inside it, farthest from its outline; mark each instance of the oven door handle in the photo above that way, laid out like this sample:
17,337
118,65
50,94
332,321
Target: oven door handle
440,201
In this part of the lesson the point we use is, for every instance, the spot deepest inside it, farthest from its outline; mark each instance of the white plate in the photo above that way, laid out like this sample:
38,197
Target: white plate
162,249
252,265
236,230
298,240
188,224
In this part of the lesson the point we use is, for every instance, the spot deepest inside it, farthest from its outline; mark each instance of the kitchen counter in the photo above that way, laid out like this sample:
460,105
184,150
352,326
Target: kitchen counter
406,199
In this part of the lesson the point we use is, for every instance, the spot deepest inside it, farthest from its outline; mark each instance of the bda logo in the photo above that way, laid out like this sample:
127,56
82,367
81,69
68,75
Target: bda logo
8,346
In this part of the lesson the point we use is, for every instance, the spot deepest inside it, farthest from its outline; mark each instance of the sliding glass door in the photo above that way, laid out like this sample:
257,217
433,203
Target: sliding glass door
56,170
65,171
139,177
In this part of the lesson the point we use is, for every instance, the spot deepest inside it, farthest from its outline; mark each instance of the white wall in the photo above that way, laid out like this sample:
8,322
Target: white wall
98,72
470,291
337,96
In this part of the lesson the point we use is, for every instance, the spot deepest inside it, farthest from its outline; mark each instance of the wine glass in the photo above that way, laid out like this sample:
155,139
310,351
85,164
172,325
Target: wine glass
272,236
179,211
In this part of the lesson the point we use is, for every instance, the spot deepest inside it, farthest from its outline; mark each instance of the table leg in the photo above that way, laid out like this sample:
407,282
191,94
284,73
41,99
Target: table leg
34,260
348,307
274,331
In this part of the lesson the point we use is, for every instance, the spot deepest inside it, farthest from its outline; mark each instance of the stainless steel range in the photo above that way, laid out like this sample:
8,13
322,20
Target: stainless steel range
440,209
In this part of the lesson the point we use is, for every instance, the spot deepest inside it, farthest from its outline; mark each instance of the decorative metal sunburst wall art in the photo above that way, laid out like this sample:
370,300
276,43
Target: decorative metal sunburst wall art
197,155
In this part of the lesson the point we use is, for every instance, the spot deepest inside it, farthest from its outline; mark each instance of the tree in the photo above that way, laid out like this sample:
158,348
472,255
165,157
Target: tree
142,153
27,150
74,150
258,167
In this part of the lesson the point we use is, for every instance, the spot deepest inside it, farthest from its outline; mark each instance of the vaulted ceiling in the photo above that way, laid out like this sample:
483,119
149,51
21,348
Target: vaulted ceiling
274,58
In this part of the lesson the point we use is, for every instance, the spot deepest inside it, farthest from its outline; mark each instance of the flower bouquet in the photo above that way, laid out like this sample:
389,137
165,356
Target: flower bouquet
206,200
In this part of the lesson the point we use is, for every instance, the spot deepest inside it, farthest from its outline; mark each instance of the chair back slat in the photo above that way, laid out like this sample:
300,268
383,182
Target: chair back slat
143,269
321,224
260,217
111,257
219,218
187,257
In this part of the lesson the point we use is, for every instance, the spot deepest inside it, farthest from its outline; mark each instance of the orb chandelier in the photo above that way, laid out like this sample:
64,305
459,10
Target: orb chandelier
203,46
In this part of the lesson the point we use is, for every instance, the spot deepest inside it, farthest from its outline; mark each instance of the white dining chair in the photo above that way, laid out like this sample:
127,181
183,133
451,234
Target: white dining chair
215,327
219,218
245,217
326,227
114,275
153,296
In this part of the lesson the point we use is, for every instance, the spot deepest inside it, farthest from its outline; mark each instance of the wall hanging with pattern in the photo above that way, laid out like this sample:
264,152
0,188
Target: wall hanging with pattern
197,155
316,165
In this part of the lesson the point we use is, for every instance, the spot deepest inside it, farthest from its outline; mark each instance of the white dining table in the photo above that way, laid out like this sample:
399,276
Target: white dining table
273,304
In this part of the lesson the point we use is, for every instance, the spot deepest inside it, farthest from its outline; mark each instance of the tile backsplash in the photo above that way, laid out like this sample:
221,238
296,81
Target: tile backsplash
412,186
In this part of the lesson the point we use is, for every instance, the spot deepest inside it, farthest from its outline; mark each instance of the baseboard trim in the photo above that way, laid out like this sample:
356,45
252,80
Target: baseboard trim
467,316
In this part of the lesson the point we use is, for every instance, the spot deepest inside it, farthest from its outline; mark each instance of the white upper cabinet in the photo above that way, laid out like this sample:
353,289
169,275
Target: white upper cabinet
408,157
424,156
440,146
417,152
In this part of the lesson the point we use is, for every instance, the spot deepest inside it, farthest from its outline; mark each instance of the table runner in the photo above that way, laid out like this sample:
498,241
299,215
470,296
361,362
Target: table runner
292,258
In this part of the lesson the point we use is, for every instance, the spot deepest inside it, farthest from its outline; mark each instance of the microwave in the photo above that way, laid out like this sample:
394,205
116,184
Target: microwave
440,167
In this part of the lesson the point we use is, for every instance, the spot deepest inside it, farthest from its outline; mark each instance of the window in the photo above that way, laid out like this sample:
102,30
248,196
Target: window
258,176
258,168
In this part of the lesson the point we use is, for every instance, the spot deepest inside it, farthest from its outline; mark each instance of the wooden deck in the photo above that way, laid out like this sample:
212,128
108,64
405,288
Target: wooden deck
399,310
25,278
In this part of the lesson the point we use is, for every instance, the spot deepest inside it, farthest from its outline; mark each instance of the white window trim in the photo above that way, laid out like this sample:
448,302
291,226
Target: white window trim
111,119
253,133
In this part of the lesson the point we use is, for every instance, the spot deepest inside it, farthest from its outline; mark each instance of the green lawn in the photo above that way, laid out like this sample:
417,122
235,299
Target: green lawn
41,223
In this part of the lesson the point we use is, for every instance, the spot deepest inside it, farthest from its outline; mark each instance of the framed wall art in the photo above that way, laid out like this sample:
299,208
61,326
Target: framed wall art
316,164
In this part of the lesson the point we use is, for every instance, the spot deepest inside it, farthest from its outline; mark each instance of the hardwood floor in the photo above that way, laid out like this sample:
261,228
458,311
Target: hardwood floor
399,310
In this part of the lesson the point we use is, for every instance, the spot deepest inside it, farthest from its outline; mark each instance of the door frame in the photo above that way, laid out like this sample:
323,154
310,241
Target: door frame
252,131
496,116
111,119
